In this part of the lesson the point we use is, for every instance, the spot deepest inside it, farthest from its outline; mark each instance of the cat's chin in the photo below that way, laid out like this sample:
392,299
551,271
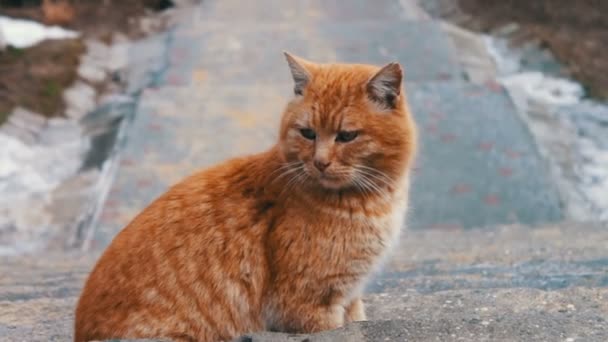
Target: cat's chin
331,183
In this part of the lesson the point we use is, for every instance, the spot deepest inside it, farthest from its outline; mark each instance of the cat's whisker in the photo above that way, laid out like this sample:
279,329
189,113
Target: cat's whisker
289,171
303,179
283,169
294,179
375,172
376,189
284,166
362,187
378,182
379,176
369,186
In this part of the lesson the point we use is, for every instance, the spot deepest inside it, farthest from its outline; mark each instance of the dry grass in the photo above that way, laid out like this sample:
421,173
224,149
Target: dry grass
36,77
575,31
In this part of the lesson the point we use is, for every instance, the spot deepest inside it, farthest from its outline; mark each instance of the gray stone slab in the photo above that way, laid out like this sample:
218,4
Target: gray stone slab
254,55
146,58
312,11
478,164
546,258
452,325
172,136
38,295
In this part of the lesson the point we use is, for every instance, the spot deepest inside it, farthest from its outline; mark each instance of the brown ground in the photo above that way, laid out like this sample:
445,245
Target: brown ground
36,77
576,31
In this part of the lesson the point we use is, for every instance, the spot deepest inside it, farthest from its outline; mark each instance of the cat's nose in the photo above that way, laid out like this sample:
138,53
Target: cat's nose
321,165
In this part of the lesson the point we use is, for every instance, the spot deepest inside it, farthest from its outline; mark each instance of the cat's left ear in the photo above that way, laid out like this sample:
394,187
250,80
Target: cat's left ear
299,72
385,86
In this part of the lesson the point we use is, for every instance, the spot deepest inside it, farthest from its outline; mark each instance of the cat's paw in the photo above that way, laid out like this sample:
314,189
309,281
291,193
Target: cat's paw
355,311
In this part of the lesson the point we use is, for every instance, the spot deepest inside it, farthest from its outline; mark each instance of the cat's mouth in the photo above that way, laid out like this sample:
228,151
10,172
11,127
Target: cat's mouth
328,179
331,181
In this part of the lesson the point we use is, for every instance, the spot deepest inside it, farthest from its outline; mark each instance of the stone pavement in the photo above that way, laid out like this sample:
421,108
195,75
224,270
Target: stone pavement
485,258
510,283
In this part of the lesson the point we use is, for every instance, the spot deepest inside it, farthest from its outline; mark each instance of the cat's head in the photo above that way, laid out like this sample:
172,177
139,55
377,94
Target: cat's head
348,125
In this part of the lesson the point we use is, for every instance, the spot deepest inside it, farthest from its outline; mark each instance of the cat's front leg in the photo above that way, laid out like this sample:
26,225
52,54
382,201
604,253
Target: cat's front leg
355,311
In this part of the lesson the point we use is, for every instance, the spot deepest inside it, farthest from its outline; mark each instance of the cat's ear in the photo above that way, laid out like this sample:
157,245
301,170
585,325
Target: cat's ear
299,72
385,86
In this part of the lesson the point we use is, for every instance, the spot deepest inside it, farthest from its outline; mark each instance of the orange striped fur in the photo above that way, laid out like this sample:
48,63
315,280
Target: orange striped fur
283,240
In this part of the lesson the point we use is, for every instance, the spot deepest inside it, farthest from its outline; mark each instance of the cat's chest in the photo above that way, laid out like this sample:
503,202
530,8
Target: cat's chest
340,236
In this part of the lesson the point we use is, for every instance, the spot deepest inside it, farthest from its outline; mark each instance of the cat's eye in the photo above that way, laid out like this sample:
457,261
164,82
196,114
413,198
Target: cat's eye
308,133
346,136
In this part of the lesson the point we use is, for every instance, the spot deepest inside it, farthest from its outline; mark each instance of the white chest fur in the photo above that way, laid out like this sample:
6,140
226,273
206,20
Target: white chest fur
387,229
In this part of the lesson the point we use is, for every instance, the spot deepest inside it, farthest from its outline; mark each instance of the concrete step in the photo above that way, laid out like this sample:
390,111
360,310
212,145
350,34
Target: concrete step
217,12
573,314
478,164
547,257
235,54
505,283
38,296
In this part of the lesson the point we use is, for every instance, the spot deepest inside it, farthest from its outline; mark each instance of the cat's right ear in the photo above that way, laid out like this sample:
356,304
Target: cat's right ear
299,72
385,86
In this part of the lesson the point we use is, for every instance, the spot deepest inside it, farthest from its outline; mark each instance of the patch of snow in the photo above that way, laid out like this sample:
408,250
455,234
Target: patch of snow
26,169
543,89
22,33
571,132
80,100
507,61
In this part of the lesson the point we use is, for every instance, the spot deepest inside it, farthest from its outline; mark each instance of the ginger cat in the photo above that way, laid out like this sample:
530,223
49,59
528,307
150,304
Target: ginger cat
283,240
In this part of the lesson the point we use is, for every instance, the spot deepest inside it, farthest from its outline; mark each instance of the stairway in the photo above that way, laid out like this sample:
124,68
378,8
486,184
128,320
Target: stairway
486,257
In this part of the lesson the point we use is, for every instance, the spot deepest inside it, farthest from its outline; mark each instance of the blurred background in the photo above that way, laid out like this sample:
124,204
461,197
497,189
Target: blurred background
104,104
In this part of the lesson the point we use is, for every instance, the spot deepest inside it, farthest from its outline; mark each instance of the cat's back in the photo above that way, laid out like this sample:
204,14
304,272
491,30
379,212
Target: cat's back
198,232
201,205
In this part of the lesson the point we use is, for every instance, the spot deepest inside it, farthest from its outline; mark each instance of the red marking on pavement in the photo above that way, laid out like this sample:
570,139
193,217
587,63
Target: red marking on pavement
437,116
513,154
111,203
486,145
174,80
460,189
108,215
127,162
448,137
431,128
443,76
506,171
474,93
494,86
143,183
492,200
155,127
178,55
